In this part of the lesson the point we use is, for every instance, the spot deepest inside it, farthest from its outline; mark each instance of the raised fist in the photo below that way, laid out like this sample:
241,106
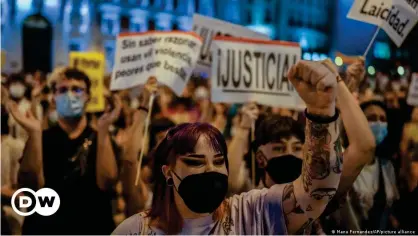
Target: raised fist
316,84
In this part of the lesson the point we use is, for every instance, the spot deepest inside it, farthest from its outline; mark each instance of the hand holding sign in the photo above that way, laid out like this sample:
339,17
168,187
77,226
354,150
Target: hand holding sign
316,84
355,74
250,114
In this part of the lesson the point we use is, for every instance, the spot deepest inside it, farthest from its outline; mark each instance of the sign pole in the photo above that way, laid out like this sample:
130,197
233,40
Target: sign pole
371,42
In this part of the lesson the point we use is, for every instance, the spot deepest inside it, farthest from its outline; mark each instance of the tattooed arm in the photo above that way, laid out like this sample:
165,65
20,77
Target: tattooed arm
305,199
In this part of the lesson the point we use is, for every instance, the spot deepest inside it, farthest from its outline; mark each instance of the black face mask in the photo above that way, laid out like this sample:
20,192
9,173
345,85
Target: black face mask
203,193
284,169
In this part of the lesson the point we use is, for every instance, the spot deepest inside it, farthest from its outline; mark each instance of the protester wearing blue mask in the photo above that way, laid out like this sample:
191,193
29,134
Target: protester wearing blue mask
375,189
72,158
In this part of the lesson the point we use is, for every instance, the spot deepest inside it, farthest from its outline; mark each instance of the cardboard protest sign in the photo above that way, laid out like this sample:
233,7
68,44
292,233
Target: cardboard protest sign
254,70
208,28
169,56
93,64
396,17
412,99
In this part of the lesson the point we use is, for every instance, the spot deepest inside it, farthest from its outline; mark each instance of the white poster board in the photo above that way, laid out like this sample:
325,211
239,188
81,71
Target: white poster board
169,56
208,28
248,70
412,99
396,17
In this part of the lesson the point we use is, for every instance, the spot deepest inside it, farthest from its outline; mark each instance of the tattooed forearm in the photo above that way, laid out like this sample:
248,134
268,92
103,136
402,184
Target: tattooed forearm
320,193
289,202
306,198
339,156
316,164
306,228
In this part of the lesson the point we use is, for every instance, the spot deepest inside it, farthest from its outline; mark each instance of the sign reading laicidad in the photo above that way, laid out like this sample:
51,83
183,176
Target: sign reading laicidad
169,56
245,70
208,28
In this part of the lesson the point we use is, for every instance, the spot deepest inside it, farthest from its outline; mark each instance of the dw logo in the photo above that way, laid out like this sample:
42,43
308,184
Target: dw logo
45,201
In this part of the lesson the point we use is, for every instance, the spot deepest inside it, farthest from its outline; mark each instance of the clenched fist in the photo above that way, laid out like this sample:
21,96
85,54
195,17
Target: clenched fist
355,74
316,84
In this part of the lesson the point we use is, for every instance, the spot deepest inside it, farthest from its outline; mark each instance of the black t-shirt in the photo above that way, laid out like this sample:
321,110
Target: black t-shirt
84,209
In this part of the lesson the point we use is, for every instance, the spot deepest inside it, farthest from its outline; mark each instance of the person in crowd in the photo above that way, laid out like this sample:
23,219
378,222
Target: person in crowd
374,190
17,89
408,145
191,168
11,152
76,161
139,197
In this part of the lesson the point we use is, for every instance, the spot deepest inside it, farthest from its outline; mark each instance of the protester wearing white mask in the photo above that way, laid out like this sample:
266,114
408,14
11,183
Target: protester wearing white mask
17,90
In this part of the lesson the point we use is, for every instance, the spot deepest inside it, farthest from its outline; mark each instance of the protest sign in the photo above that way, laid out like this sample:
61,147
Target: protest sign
413,4
208,28
169,56
3,58
254,70
413,91
93,65
396,17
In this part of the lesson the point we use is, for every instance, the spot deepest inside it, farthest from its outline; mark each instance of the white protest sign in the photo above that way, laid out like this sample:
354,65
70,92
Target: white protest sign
169,56
399,28
254,70
413,4
396,17
208,28
413,91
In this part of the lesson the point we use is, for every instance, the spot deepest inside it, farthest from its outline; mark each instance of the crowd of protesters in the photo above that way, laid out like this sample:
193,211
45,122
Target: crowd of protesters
90,159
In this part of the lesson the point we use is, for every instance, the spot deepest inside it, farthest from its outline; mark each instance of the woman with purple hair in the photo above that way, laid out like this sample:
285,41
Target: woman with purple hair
191,175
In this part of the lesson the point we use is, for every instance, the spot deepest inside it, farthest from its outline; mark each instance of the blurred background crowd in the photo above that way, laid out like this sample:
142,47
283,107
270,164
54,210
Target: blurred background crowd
59,27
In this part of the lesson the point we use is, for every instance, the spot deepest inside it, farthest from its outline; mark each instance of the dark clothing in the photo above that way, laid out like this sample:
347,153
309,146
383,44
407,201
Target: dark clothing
405,208
84,209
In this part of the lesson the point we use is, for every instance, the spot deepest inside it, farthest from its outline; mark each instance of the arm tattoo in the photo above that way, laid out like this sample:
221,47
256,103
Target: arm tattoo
316,164
320,193
290,204
339,160
306,228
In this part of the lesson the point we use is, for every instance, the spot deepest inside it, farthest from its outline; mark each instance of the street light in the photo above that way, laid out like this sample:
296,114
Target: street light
338,61
401,70
371,70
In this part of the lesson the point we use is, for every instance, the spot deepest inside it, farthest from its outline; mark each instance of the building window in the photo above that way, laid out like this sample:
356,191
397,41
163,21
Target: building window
197,6
151,3
268,16
124,23
176,26
249,17
151,25
175,4
74,47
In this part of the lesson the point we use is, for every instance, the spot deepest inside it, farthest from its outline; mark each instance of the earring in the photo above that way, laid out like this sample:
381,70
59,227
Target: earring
170,182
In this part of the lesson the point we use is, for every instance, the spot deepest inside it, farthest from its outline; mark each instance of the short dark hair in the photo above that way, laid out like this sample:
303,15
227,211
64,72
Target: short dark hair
275,127
380,104
16,78
73,74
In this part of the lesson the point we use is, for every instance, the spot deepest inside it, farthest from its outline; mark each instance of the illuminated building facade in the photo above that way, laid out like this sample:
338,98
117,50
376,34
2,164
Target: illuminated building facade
41,33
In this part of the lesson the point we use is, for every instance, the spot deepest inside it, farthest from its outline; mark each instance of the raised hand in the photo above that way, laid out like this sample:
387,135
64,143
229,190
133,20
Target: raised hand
109,117
149,88
250,114
355,74
28,121
316,84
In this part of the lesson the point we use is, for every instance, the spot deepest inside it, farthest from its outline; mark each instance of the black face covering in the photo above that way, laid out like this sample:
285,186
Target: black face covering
284,169
203,193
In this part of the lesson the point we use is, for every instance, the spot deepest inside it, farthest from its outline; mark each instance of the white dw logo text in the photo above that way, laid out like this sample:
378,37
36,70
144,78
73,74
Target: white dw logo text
45,201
